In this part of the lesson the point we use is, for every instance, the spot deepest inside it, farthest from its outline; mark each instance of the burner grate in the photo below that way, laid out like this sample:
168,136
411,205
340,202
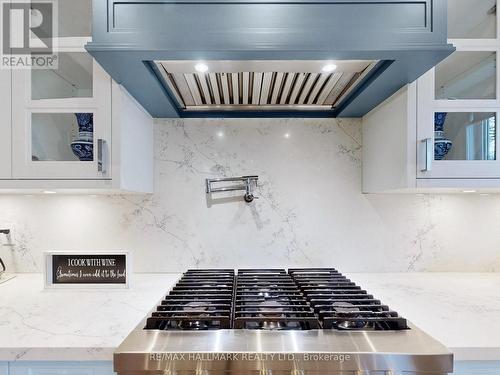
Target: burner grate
201,300
341,304
270,300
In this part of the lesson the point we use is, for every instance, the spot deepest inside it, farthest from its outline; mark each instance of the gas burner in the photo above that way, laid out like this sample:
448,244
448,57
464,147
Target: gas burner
344,307
268,325
196,306
195,309
271,310
195,325
349,310
267,292
201,300
341,304
209,315
270,300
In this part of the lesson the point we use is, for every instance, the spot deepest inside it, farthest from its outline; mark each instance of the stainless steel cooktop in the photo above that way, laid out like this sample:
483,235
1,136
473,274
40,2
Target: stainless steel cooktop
273,321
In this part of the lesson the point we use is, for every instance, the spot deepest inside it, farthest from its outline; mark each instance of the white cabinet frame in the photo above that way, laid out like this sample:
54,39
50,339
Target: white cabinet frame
427,105
5,124
394,154
120,121
23,106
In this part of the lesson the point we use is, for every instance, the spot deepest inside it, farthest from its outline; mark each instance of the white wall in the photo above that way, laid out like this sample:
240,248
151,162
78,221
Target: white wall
310,211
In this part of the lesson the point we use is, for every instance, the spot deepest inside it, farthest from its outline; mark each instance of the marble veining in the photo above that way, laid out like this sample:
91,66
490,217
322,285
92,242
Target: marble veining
54,325
310,210
454,308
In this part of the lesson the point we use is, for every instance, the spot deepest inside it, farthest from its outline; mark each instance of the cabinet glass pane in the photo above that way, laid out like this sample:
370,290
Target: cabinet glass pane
467,75
62,136
471,19
72,78
465,136
74,18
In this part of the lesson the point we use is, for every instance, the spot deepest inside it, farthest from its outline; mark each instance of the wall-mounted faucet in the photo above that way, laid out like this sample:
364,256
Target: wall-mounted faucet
2,265
7,234
248,184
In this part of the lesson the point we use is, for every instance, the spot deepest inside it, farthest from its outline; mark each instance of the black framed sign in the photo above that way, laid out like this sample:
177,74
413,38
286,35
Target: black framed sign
87,269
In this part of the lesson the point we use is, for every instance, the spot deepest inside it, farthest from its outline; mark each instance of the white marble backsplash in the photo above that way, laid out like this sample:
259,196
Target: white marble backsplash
310,210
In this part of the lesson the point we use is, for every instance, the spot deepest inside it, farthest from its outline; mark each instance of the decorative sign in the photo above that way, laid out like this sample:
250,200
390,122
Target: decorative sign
87,269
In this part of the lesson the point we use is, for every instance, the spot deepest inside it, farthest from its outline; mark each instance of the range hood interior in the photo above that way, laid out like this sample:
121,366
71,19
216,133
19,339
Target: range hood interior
289,85
265,58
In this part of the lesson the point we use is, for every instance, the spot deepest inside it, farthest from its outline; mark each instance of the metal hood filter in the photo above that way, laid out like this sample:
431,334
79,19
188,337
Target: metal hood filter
262,85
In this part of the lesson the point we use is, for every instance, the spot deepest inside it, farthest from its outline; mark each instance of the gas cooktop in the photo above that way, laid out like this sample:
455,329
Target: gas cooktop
271,299
276,321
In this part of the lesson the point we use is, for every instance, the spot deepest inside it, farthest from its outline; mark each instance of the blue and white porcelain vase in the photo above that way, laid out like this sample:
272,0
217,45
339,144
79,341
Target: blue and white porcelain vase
83,145
442,145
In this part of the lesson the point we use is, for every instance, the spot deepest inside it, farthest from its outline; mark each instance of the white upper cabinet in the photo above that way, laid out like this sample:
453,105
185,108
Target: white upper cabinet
472,19
62,120
459,100
450,115
72,128
74,18
5,124
462,133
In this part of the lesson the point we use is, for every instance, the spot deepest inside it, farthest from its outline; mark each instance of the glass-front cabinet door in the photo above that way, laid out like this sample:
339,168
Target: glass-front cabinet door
5,124
62,120
459,100
472,19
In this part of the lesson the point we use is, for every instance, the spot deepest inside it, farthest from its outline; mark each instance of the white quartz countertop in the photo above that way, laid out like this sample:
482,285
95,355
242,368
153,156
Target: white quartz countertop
72,324
462,310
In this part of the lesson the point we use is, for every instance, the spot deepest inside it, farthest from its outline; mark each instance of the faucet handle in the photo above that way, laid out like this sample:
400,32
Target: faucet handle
249,197
3,267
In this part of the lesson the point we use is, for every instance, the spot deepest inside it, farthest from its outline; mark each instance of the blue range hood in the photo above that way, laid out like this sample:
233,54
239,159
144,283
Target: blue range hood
259,58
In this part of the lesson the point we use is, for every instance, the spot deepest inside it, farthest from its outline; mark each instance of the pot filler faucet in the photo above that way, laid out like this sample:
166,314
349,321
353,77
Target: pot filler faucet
248,184
2,264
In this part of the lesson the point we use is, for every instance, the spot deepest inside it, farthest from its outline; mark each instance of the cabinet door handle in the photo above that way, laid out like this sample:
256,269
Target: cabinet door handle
429,154
101,143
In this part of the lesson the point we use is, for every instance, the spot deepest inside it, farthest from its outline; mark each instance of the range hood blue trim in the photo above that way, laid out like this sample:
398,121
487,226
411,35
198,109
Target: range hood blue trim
408,36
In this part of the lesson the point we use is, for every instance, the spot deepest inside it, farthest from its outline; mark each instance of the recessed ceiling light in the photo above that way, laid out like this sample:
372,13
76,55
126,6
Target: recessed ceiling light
287,135
329,68
469,191
49,192
220,134
200,67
